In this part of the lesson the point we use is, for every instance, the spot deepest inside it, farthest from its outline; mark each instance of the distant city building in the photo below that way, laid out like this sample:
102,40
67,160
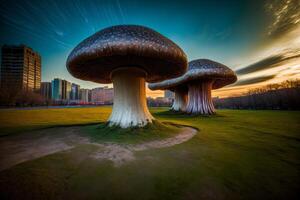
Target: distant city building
84,95
56,89
163,99
46,90
66,90
169,94
103,95
20,69
61,89
75,92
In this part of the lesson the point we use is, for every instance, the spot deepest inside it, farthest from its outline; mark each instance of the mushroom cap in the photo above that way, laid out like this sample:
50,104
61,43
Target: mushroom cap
126,46
199,70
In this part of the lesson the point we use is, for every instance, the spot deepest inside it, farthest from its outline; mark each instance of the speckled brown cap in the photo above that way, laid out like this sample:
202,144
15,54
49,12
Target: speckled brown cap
126,46
201,69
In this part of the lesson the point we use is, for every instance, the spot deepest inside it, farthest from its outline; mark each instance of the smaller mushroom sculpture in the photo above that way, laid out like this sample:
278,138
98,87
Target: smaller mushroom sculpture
194,87
202,76
180,90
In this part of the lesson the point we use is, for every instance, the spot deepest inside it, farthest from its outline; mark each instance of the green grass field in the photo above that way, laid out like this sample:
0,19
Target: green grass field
237,154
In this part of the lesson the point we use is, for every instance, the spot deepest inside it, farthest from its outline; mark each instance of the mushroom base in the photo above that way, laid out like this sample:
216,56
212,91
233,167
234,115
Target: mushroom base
130,106
180,100
200,101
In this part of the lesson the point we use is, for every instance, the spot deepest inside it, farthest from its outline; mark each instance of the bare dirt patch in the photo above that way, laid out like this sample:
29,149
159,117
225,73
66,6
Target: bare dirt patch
120,154
28,146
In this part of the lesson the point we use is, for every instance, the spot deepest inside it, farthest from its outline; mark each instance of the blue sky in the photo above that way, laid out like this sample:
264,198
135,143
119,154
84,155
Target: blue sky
236,33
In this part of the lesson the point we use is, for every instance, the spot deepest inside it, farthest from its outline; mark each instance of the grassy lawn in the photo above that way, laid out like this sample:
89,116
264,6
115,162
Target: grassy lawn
236,155
14,121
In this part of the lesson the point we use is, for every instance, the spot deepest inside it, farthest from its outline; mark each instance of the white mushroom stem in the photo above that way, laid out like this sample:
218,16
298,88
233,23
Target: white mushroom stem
199,98
180,100
130,106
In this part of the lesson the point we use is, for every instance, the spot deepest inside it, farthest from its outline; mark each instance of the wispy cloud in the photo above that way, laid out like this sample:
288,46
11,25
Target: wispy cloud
285,16
280,66
254,80
270,62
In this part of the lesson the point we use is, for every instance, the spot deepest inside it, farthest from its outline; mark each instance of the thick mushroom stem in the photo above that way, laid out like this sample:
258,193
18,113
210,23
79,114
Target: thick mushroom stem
180,100
130,106
200,101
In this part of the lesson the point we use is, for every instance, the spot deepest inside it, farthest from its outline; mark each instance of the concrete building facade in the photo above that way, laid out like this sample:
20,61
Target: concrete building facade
75,92
102,95
66,90
56,89
20,69
46,90
84,95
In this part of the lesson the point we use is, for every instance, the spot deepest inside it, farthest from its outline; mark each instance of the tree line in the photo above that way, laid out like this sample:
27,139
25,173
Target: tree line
280,96
20,98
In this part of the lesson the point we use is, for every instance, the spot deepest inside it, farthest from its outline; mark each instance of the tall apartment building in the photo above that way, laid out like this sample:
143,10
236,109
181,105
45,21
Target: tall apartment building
84,95
20,69
56,89
66,90
61,89
75,92
46,90
103,95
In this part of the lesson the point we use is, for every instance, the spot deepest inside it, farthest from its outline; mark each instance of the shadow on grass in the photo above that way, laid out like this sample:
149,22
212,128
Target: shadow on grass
180,114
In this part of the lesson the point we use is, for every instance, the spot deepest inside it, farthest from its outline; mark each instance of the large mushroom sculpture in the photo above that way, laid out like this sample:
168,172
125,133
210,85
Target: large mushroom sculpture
180,90
127,56
202,76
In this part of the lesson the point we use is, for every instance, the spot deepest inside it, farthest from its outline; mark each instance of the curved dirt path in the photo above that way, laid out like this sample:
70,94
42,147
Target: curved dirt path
122,153
21,148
